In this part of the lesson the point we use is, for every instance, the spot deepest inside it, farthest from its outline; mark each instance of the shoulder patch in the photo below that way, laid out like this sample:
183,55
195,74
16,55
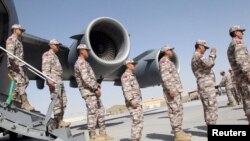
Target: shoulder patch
82,63
46,54
9,40
125,76
162,61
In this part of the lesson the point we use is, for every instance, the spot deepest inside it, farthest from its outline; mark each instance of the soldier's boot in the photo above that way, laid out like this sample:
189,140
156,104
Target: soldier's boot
60,123
186,134
94,137
179,136
103,133
25,103
63,124
248,117
231,104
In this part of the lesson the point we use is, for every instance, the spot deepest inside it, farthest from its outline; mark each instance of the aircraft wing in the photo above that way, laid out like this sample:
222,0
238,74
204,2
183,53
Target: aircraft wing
34,47
108,40
110,48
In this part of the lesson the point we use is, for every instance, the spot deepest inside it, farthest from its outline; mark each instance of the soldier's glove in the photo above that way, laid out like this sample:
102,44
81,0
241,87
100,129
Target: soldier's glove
98,93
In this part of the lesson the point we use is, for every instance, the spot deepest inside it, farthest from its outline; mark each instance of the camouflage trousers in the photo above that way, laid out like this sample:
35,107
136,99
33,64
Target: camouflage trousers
22,82
209,102
236,93
175,111
245,93
95,112
137,122
230,95
61,102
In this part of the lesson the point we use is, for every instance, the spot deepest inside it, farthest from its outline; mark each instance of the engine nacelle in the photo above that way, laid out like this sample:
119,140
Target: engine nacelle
147,69
109,42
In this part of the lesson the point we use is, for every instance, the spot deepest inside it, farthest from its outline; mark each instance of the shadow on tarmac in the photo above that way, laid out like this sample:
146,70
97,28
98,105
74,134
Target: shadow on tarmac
163,117
162,137
84,127
202,127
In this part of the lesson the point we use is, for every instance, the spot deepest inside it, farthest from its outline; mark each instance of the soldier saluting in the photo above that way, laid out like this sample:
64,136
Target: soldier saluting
202,69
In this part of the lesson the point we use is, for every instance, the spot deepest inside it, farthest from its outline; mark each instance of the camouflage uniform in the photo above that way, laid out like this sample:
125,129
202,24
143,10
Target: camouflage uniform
171,83
87,84
131,91
202,69
15,46
52,68
227,83
236,94
239,59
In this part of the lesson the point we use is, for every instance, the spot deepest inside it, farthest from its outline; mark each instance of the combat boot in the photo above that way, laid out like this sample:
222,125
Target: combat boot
231,104
25,104
186,134
63,124
104,134
179,136
94,137
248,117
60,123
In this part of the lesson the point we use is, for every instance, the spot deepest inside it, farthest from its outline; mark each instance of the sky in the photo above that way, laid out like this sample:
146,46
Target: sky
150,23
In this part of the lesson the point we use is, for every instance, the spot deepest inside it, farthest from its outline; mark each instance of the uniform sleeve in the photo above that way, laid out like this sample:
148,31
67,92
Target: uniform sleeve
46,65
242,59
209,62
165,71
87,80
127,89
10,46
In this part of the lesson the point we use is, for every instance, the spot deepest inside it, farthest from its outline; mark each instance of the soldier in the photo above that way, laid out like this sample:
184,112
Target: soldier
202,69
90,91
52,68
172,90
132,94
236,94
16,67
227,83
239,60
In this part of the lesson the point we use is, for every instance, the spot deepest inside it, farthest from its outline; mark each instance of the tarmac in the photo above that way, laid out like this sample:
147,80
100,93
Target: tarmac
157,124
